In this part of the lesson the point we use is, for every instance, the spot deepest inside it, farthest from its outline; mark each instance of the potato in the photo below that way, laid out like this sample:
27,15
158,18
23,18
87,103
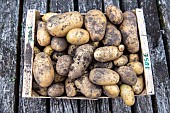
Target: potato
56,55
46,16
58,78
81,60
70,88
137,67
40,90
127,75
107,53
133,57
48,50
56,90
59,44
111,91
95,23
43,37
139,86
127,94
60,25
72,50
103,76
129,32
36,50
114,14
87,88
112,36
77,36
121,61
121,47
97,64
43,70
63,65
40,24
34,94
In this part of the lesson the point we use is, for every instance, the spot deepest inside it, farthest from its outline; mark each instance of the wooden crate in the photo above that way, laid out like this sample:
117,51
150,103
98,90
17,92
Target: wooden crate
33,15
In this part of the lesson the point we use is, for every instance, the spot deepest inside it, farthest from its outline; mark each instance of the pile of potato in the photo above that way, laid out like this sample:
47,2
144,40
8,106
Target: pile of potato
89,55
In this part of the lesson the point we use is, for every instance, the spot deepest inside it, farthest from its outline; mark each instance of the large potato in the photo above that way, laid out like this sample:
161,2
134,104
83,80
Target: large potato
70,88
43,69
114,14
111,91
133,57
59,44
78,36
112,36
103,76
127,94
40,90
97,64
63,65
107,53
81,60
137,67
95,23
129,32
46,16
87,88
72,49
60,25
56,90
121,61
139,86
127,75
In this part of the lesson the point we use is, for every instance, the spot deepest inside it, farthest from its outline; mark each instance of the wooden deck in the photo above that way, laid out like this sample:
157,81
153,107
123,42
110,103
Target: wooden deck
12,30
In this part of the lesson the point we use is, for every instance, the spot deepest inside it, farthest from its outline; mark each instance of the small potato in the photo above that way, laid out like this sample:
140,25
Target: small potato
114,14
133,57
47,16
59,44
72,50
95,23
56,90
40,90
34,94
127,75
36,50
139,86
137,67
58,78
127,94
63,65
121,61
77,36
103,76
112,36
56,55
70,88
121,47
95,44
111,91
97,64
48,50
107,53
87,88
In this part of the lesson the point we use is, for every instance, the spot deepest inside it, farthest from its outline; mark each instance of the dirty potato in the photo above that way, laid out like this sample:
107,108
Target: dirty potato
139,86
56,90
60,25
70,88
95,23
46,16
129,32
114,14
59,44
48,50
111,91
107,53
72,50
58,78
63,65
77,36
40,90
121,61
133,57
56,55
127,75
43,70
103,76
36,50
97,64
137,67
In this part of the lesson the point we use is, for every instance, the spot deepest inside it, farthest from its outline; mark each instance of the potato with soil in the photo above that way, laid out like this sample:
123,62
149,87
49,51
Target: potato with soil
129,32
56,90
40,90
127,94
43,70
97,64
77,36
127,75
87,88
81,60
107,53
46,16
43,37
63,65
60,25
72,49
95,23
137,67
112,36
56,55
103,76
48,50
59,44
133,57
139,86
111,91
70,88
36,50
121,61
58,78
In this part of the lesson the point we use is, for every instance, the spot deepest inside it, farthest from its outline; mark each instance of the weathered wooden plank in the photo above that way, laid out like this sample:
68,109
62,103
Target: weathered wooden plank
129,5
28,105
158,57
9,22
111,2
